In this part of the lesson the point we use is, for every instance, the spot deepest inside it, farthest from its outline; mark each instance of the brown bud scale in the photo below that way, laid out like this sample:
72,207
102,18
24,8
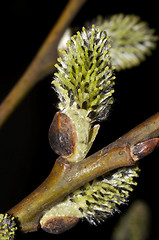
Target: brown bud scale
57,225
62,135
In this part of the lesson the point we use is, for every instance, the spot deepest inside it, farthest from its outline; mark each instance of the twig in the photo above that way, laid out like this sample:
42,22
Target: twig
42,64
65,177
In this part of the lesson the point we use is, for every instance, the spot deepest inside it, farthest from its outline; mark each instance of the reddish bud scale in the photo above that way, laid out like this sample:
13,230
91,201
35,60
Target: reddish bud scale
142,149
57,225
62,135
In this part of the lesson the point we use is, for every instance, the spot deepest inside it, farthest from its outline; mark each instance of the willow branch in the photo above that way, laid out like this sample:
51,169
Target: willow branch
43,63
65,177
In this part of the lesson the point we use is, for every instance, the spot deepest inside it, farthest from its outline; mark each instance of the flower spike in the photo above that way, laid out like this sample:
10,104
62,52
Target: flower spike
84,82
85,74
7,227
132,39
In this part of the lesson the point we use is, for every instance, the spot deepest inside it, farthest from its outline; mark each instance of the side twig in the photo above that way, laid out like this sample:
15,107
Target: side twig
65,177
43,63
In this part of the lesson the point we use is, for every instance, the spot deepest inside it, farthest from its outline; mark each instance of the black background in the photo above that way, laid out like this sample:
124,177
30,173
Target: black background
25,156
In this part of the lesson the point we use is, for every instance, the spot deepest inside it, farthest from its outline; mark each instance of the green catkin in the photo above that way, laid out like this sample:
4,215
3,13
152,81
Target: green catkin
85,71
7,227
99,199
132,39
84,82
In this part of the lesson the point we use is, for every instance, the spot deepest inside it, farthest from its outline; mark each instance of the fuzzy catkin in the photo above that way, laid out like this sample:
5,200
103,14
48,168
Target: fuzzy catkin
98,199
132,39
85,74
7,227
84,82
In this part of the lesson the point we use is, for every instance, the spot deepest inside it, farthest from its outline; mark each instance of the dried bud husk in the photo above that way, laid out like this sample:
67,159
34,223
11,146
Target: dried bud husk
62,135
57,225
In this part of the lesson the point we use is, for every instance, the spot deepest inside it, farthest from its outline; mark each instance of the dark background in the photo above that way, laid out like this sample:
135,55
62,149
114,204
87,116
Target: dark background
25,156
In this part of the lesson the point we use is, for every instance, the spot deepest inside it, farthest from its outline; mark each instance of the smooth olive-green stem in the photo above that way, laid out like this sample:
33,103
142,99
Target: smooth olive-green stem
66,177
43,63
